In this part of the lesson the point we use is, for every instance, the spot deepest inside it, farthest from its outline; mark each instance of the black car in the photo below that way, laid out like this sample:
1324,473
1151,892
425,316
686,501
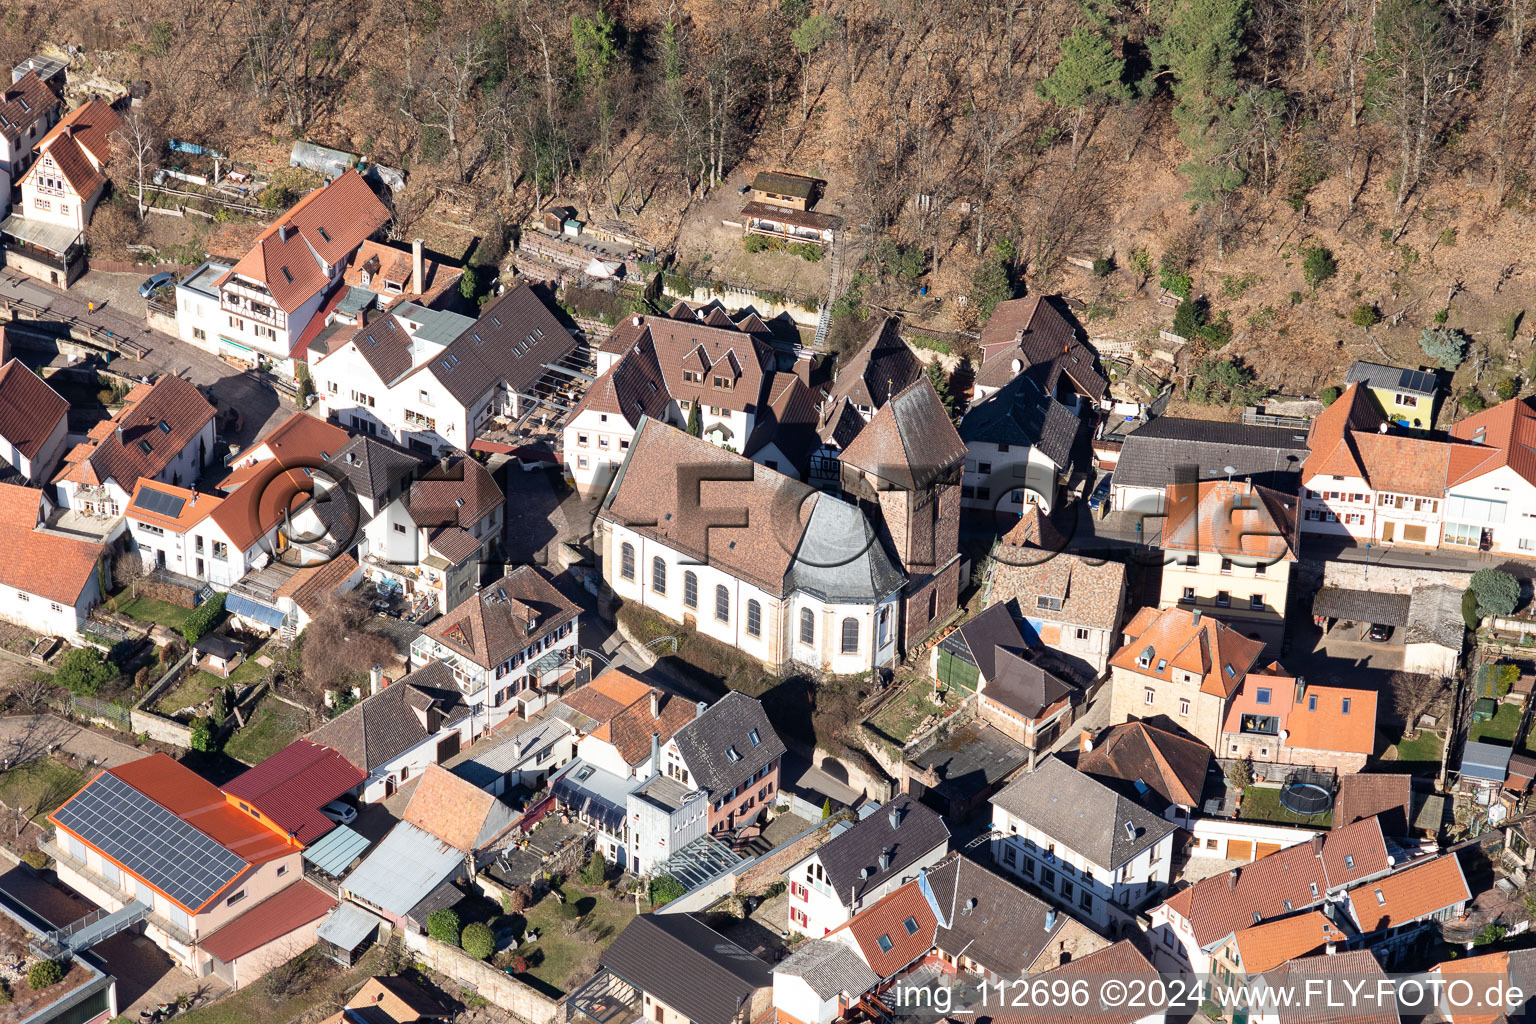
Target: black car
1378,633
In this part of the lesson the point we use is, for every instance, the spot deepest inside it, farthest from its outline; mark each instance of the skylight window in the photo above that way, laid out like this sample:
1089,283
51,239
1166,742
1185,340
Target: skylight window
1314,889
144,447
910,924
754,737
450,361
584,773
496,321
1381,900
1231,674
731,755
165,428
287,276
886,945
478,340
1349,861
324,234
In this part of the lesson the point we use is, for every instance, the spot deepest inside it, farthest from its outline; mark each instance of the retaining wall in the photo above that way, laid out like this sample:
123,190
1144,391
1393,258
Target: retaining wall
497,986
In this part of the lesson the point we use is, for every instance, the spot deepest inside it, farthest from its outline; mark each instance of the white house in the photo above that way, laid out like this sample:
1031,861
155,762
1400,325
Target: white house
34,423
1490,501
49,581
1081,844
28,108
1019,445
66,181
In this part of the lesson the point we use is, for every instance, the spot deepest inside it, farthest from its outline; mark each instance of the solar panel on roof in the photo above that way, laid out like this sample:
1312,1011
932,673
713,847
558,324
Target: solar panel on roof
159,503
150,841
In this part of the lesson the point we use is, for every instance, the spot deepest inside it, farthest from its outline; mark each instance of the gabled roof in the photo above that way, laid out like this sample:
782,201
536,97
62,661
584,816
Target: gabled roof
784,183
1170,765
896,931
1154,453
1269,944
399,999
728,743
844,858
979,638
1419,890
1121,961
374,467
280,914
1091,593
1233,518
47,565
504,617
507,346
1082,813
157,421
1387,797
23,103
1318,973
617,709
1419,383
679,960
384,726
457,812
999,925
1173,641
264,491
383,262
456,491
910,442
80,144
170,508
1312,716
1034,333
881,367
1021,414
293,784
29,408
786,420
830,969
1025,687
1331,438
634,387
1510,429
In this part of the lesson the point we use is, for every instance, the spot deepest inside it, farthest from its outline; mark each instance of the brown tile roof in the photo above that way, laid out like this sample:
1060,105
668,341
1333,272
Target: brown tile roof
382,727
1232,518
401,999
1091,593
1170,765
786,419
910,442
1121,961
881,367
1269,944
310,586
1510,427
1275,885
383,262
1421,889
29,408
1353,967
277,915
1036,334
504,617
170,400
1206,647
261,494
713,351
47,565
459,813
195,507
323,227
23,103
632,387
1362,795
80,144
620,705
887,919
457,491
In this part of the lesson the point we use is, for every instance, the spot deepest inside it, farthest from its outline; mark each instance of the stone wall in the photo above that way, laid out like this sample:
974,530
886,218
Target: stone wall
159,590
770,867
497,986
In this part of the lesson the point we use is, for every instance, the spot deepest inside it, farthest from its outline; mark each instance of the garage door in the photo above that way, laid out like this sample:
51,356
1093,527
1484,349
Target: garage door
1239,849
1265,849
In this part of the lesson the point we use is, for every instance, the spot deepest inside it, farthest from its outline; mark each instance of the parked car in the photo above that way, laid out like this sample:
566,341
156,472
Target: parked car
339,811
155,283
1378,633
1100,496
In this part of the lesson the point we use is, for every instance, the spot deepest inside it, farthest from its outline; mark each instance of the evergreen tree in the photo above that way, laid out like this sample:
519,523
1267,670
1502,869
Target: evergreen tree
940,381
695,419
1088,74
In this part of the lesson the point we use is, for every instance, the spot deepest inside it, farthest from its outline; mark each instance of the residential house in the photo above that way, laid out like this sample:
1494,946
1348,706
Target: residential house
290,788
785,188
1388,798
1122,961
1249,953
508,647
674,969
1183,665
393,735
163,432
49,581
392,275
1016,692
1229,547
219,890
518,757
1490,498
780,208
1022,446
1035,337
447,833
1193,923
798,576
432,380
391,1000
268,300
1405,397
28,108
1070,604
34,422
1081,843
1170,450
1400,915
1322,973
59,192
857,868
1277,719
85,994
1484,989
1150,764
881,367
622,782
732,754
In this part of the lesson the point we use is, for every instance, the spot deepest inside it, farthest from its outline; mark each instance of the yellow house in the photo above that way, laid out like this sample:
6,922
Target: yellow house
1229,548
1406,397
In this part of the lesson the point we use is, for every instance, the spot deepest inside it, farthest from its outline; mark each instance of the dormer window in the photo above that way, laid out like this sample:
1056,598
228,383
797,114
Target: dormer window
731,755
1052,604
725,383
693,376
1144,659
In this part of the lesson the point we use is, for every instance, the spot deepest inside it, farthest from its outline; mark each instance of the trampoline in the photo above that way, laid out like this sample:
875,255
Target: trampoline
1307,793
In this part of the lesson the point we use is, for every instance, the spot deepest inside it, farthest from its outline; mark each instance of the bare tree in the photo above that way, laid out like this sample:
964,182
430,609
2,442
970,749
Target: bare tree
137,142
338,648
449,86
1413,694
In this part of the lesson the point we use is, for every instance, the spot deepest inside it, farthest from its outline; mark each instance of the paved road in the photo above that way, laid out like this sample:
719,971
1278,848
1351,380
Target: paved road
22,737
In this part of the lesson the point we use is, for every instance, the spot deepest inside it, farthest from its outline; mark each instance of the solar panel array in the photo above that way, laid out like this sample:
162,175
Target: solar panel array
150,841
160,503
1417,380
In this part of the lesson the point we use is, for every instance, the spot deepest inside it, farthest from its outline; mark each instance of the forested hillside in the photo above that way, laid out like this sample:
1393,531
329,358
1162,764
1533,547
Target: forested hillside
1334,178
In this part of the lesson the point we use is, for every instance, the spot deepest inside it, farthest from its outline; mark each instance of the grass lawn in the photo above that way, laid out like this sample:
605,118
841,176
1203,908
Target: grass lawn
40,787
903,713
197,687
1262,803
1499,729
270,729
276,999
1424,749
566,951
147,609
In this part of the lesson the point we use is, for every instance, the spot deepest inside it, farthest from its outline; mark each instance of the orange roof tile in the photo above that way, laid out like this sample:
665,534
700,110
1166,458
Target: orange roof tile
1416,891
47,565
1234,518
1180,642
1323,727
1510,428
273,480
194,509
1481,972
887,920
274,917
1267,945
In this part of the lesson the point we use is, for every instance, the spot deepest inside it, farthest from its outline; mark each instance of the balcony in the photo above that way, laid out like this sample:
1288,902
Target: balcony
46,844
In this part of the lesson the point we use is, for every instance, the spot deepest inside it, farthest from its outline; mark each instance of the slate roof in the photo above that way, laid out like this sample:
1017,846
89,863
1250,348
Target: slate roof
978,638
24,102
997,924
1025,687
293,784
1434,617
1172,766
829,968
384,726
29,408
1153,452
1082,813
1035,332
509,345
1091,594
1363,606
1362,795
171,400
456,811
843,857
881,367
504,617
1391,378
1021,414
725,726
1180,640
689,966
910,442
375,468
48,565
839,558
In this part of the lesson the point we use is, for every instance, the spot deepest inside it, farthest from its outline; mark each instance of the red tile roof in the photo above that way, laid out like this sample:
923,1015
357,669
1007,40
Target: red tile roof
271,919
621,706
29,408
1326,727
1416,891
1510,428
80,144
1233,518
202,805
887,920
1205,647
293,784
267,488
1268,945
47,565
171,400
194,509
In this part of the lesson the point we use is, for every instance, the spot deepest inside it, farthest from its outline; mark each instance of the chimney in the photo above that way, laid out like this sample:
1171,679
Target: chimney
699,709
375,680
362,317
282,232
1247,485
1232,880
1085,741
418,268
1317,845
1050,919
1194,617
885,859
120,434
655,753
895,816
655,704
